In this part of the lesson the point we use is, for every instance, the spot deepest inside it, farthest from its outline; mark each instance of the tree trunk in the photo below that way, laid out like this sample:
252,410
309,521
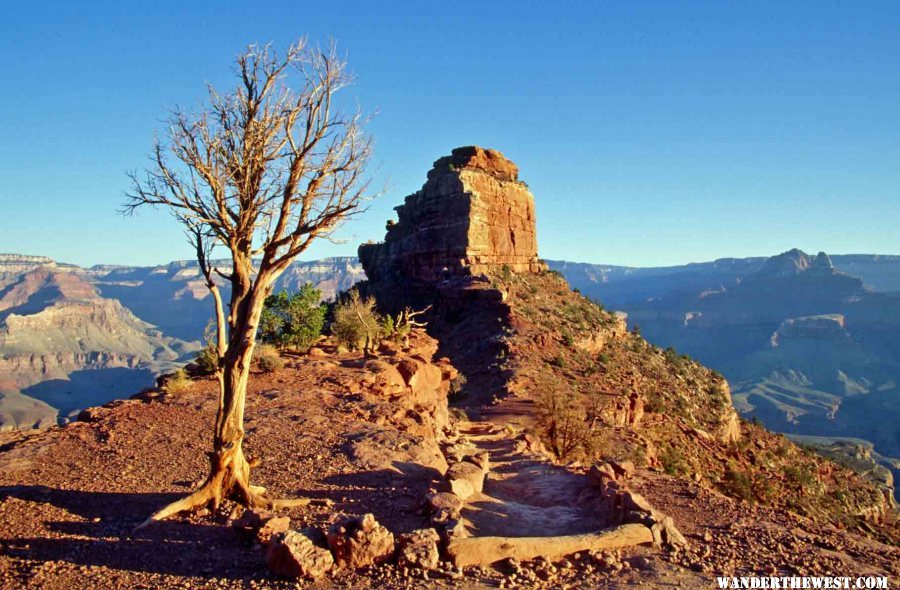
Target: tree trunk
229,475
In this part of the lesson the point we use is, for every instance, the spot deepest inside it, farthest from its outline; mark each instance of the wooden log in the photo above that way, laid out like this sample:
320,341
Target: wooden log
487,550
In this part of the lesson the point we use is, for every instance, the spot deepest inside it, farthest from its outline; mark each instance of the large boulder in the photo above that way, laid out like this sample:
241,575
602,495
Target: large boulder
466,479
360,541
384,379
484,551
444,507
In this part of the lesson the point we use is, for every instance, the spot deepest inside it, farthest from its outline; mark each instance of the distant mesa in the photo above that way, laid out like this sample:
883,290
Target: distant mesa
473,215
795,262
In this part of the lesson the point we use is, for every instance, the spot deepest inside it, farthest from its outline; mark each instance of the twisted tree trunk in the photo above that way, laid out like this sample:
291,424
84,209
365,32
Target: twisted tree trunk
262,170
229,475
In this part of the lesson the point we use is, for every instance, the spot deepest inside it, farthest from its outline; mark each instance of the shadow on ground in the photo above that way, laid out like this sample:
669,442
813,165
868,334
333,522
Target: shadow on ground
102,534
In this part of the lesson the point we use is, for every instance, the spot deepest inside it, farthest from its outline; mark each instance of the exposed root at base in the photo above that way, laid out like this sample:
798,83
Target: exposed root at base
204,496
195,500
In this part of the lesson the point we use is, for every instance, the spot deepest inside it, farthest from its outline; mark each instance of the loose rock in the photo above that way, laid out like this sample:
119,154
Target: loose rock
299,554
358,542
419,549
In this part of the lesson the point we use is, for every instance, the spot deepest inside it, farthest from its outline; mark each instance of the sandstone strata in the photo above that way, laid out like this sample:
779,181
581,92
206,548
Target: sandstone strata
473,215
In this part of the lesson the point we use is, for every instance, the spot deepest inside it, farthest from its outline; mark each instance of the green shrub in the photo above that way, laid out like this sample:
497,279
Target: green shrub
267,358
293,321
638,456
738,484
459,414
457,387
388,327
208,358
673,462
356,323
802,475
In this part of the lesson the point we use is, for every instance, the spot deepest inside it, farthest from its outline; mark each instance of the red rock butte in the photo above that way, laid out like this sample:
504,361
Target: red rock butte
472,216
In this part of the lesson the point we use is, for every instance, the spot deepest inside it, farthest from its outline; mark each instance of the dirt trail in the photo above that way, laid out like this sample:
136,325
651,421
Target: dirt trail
524,494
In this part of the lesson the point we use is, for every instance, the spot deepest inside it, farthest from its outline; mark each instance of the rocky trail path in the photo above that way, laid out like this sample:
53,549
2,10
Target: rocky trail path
524,494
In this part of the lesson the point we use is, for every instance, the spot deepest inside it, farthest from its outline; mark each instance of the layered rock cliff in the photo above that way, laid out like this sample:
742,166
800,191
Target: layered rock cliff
473,215
54,329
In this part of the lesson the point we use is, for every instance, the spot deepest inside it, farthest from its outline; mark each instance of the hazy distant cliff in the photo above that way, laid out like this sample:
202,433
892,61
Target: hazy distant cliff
810,343
72,337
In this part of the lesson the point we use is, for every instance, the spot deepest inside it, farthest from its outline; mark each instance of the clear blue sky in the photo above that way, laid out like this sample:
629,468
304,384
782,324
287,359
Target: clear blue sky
651,133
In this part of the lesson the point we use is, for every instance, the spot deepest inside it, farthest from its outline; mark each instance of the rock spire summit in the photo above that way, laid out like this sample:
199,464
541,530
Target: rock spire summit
472,216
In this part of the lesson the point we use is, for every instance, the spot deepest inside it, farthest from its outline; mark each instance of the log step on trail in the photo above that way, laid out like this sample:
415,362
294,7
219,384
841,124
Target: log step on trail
484,551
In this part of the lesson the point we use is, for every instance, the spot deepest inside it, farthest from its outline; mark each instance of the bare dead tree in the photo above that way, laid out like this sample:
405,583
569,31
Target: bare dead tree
260,171
406,321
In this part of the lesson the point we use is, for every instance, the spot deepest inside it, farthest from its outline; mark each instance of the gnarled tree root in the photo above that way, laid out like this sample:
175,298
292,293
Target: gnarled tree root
229,478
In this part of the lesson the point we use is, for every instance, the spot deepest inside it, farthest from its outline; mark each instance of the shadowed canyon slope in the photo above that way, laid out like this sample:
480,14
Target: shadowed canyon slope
64,347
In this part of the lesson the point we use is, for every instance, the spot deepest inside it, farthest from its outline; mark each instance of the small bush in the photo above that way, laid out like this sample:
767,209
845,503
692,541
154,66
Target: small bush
388,327
208,358
293,321
673,462
638,456
738,484
558,361
563,423
803,476
459,414
356,323
457,387
267,358
178,382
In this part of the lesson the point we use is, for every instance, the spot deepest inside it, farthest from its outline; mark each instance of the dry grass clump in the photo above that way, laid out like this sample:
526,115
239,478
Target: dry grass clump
178,382
267,358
